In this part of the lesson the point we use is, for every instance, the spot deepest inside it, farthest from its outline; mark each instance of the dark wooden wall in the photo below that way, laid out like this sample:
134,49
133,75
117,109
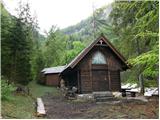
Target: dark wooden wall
71,79
112,69
52,79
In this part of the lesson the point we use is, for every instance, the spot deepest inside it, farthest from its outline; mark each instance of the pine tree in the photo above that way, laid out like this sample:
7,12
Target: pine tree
17,46
6,24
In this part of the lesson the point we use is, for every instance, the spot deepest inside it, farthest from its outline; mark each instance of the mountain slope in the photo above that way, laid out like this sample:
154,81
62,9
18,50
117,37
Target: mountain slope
90,28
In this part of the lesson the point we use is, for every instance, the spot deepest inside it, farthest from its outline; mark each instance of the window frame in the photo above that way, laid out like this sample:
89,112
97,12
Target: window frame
99,57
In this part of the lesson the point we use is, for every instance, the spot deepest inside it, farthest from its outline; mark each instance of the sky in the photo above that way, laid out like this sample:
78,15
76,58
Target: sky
62,13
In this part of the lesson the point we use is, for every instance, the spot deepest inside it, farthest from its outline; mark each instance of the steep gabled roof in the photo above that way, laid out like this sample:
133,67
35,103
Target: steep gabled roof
78,58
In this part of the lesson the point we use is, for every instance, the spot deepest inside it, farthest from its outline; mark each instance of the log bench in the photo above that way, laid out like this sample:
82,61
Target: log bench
40,108
132,92
123,90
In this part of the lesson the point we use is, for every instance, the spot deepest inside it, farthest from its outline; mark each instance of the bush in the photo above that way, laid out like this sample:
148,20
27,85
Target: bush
6,90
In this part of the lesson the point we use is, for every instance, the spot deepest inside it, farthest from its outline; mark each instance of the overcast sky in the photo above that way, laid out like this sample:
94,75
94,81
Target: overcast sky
62,13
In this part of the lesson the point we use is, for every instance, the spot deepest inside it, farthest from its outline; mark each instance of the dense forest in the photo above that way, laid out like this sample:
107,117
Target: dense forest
132,27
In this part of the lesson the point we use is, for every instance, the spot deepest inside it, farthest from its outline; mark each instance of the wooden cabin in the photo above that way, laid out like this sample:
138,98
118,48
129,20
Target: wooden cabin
96,68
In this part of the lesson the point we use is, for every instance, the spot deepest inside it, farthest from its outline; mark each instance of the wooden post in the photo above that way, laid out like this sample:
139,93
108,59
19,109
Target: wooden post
109,79
78,81
141,83
119,73
90,74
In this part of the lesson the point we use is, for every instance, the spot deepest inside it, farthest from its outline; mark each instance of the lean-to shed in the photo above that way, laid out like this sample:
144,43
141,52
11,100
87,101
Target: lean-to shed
51,75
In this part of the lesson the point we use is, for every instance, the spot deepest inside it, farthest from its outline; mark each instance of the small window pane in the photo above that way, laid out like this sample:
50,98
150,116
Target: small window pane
98,58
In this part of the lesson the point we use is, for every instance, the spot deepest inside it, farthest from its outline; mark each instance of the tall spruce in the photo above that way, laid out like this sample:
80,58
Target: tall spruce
6,24
25,44
18,42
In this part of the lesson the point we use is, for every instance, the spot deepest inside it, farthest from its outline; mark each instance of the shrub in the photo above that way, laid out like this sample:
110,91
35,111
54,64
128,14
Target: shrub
6,90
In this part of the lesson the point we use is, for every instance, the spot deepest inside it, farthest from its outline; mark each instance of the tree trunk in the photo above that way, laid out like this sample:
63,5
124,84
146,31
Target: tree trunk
140,76
158,82
138,48
141,81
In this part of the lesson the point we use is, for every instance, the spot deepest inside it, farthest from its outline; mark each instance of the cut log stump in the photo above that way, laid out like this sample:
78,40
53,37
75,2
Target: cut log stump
40,108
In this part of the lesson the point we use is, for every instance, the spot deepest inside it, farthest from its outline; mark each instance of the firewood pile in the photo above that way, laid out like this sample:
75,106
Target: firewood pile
22,90
71,93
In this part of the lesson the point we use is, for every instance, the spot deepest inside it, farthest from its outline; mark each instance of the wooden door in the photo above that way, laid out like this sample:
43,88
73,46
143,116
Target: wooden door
100,80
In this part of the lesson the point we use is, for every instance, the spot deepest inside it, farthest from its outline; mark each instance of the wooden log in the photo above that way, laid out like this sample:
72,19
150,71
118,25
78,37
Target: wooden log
40,108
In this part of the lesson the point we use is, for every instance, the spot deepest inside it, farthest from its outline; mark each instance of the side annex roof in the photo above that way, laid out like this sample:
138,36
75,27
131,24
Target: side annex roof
52,70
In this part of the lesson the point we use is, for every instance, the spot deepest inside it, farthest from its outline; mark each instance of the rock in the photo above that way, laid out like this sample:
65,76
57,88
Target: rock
117,94
85,96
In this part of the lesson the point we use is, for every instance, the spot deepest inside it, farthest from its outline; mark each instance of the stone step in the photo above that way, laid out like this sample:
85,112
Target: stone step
102,94
104,99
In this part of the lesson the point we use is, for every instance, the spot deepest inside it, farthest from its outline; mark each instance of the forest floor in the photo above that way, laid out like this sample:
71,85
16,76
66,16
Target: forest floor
59,108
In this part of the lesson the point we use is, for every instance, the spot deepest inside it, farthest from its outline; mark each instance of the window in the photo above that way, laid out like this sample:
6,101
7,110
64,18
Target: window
98,58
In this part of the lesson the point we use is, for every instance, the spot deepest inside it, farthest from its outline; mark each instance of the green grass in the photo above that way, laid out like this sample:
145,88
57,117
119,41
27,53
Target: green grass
19,107
23,106
38,90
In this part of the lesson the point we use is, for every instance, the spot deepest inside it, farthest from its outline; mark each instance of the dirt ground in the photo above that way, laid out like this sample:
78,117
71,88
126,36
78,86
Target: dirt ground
58,107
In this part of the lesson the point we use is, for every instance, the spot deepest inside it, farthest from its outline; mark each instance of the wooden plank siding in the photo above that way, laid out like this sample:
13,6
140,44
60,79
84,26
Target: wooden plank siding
85,76
52,79
86,67
115,80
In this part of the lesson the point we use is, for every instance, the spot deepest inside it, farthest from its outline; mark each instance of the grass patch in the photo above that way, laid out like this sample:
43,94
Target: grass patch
19,107
38,90
23,106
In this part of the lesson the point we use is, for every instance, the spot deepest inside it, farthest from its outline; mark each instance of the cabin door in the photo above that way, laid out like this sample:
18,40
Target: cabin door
100,80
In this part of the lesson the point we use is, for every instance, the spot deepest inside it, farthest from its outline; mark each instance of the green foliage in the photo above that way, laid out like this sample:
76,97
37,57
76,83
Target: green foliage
17,39
150,83
20,48
38,63
59,48
150,62
72,53
6,24
54,49
6,90
135,22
